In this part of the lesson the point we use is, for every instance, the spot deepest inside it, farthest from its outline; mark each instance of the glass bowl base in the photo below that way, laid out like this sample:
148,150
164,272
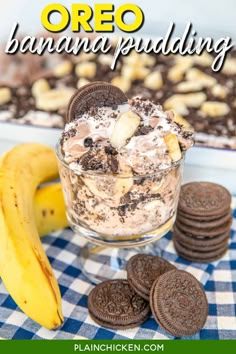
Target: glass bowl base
105,258
99,263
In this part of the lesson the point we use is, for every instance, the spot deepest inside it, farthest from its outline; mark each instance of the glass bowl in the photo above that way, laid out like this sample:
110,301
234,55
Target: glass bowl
119,211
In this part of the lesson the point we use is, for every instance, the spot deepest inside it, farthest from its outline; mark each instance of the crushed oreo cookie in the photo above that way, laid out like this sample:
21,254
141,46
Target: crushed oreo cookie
88,142
68,134
113,163
143,130
110,150
97,160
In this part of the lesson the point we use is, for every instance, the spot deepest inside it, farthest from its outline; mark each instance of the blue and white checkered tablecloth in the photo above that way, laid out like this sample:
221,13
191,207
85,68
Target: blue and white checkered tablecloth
219,280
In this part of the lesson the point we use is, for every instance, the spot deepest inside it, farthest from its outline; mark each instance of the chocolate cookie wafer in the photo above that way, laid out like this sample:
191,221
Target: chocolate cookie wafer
200,256
205,244
178,303
204,199
204,232
114,304
96,94
143,270
204,223
202,218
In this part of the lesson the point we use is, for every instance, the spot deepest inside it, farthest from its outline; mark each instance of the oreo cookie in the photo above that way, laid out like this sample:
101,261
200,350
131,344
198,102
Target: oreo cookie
204,232
143,270
178,303
114,304
204,199
204,223
201,218
200,256
205,243
95,94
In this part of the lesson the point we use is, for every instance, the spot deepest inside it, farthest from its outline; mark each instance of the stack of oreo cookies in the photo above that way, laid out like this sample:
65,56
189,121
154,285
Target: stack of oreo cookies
202,228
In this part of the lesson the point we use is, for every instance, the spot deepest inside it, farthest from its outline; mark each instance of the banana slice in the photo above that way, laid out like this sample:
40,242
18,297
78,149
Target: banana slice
122,186
179,119
55,99
155,187
153,205
124,129
109,189
63,69
172,144
39,87
154,81
122,82
5,95
81,82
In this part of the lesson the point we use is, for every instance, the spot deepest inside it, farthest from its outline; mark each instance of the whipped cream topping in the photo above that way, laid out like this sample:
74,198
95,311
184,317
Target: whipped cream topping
88,143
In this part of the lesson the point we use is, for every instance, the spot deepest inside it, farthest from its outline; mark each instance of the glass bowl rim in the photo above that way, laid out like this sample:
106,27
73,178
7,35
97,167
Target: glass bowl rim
116,175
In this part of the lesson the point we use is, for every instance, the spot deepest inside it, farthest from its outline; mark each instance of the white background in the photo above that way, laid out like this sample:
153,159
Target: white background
218,15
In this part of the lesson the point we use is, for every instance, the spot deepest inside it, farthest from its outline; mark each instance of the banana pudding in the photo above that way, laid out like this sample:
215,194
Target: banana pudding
121,166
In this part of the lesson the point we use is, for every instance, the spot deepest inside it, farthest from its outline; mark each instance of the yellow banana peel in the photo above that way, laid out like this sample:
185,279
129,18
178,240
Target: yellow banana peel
24,266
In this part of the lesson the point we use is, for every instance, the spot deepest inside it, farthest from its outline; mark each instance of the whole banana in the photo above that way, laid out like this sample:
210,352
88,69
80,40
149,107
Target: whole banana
24,266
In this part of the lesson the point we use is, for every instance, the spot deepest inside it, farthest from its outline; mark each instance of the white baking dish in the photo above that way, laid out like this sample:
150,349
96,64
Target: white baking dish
202,163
